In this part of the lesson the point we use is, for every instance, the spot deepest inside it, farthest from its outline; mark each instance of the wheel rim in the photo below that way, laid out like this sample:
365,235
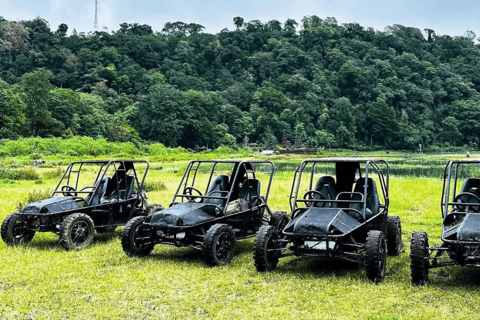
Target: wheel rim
223,246
141,237
80,232
270,252
18,230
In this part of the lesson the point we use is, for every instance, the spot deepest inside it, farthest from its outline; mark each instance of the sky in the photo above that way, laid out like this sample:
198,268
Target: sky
444,16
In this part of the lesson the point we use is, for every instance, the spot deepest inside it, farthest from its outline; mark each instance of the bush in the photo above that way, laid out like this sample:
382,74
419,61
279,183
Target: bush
39,181
34,196
154,186
53,174
27,173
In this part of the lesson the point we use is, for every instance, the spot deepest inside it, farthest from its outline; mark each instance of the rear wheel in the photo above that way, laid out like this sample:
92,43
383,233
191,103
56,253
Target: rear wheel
219,245
14,231
279,220
76,231
394,235
136,239
375,256
151,209
419,258
264,255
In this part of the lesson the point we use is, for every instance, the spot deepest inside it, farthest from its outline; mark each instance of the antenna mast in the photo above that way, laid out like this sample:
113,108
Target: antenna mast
95,24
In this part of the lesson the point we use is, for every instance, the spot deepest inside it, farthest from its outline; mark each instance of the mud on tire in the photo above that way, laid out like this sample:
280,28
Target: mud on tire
12,231
76,231
394,235
419,252
375,256
264,259
219,245
136,239
279,220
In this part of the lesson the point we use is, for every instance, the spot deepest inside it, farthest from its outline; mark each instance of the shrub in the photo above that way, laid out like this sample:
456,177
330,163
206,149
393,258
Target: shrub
27,173
53,174
154,186
34,196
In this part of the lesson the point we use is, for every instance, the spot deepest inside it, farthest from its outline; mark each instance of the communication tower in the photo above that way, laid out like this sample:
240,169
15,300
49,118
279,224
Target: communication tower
95,23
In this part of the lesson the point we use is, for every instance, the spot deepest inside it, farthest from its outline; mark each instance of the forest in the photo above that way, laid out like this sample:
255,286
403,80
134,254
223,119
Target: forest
334,85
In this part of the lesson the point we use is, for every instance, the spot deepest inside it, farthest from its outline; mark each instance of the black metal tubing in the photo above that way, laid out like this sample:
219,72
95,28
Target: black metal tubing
188,169
105,164
368,162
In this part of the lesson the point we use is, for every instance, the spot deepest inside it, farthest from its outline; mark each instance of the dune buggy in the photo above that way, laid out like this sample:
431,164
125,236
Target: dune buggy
339,216
460,237
91,195
231,207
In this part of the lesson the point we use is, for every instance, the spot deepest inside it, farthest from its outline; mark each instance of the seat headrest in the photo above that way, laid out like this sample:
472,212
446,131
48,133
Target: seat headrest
326,186
468,184
219,183
373,201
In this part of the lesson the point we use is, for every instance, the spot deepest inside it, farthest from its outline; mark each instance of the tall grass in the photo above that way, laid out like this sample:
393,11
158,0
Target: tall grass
40,280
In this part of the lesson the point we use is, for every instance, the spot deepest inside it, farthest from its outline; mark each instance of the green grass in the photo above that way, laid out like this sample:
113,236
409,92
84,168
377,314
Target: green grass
40,280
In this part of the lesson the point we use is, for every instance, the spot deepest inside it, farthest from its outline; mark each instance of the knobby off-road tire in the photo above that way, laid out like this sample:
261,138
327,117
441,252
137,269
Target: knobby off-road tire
375,256
219,245
264,259
394,235
419,253
151,209
279,220
76,231
136,238
12,231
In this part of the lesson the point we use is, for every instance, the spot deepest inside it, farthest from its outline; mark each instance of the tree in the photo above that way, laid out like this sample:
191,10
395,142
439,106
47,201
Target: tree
238,22
35,87
382,122
450,129
12,115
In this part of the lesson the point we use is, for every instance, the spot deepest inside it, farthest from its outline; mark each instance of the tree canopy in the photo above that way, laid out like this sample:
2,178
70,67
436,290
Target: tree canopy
335,85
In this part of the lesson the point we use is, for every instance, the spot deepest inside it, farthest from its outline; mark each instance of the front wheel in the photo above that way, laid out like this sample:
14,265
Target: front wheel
375,256
265,255
14,231
394,235
136,239
76,231
419,258
219,245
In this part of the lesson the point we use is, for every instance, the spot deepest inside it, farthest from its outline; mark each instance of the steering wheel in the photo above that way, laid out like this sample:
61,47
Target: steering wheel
66,190
466,197
190,197
310,196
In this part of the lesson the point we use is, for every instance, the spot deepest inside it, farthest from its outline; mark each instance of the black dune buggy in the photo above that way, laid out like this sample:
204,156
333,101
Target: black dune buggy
231,207
460,208
339,216
91,195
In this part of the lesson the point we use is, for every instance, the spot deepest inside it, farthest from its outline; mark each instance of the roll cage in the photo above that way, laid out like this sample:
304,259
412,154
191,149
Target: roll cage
121,167
455,170
345,170
241,168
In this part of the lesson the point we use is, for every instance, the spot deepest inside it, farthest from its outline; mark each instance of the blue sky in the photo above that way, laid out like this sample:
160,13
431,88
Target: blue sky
443,16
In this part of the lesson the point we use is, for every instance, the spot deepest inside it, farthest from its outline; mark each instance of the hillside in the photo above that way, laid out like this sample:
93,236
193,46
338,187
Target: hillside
334,85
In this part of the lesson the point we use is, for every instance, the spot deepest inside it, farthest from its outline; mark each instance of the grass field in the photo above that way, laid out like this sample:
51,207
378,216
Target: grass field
40,280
